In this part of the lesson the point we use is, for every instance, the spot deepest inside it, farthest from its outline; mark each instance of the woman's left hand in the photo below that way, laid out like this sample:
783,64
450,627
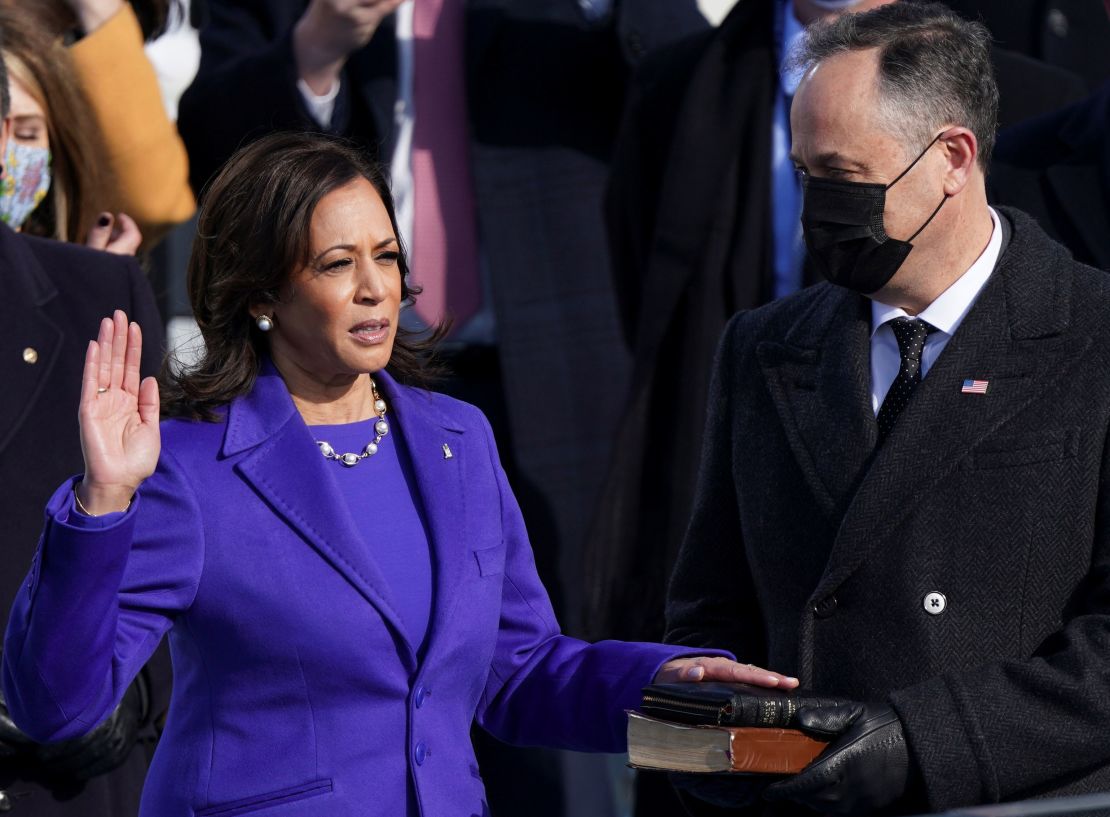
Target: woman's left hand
115,234
718,668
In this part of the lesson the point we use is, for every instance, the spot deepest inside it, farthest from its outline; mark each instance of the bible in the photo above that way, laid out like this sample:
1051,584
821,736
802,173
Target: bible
719,727
678,747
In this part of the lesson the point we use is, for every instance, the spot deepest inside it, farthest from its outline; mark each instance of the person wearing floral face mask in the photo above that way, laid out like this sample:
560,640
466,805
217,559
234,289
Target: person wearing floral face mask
54,181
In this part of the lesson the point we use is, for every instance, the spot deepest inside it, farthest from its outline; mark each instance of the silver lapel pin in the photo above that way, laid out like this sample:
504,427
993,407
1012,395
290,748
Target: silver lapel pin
447,452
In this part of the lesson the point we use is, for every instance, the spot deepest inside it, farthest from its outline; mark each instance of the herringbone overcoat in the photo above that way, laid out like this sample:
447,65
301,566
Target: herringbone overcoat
814,552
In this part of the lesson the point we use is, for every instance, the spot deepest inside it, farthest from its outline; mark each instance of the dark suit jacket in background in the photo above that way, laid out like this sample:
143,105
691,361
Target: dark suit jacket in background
1069,34
812,552
54,297
1057,169
690,226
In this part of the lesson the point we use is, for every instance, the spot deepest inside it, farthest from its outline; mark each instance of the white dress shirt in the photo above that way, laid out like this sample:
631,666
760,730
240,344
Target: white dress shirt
945,314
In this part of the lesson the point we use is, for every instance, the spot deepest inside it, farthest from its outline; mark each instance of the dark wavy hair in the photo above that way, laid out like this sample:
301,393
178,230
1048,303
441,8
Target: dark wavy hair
252,234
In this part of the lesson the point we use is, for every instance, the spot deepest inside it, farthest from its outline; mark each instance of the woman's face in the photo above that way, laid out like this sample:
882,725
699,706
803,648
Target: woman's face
28,117
338,315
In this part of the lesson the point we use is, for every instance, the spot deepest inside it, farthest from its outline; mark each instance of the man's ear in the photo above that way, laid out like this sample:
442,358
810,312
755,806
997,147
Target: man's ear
961,150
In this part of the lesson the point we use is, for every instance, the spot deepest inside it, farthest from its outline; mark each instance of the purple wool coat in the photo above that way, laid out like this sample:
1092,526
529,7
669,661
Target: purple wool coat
296,691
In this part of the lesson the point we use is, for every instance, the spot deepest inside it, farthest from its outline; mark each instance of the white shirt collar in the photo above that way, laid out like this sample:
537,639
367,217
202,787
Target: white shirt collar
950,308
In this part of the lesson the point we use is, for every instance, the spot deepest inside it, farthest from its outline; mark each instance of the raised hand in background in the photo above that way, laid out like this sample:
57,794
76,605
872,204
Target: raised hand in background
329,32
115,234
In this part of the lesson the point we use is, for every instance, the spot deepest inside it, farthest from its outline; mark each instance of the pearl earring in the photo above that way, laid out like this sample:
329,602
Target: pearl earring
264,322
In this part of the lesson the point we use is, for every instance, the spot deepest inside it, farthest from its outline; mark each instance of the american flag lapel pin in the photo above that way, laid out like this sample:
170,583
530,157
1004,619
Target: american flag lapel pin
974,387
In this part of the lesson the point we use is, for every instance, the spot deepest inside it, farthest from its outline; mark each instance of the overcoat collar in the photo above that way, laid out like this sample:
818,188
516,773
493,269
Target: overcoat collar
24,314
284,465
1015,338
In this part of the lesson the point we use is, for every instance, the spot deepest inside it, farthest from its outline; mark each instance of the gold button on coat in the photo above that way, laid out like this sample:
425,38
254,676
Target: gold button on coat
30,355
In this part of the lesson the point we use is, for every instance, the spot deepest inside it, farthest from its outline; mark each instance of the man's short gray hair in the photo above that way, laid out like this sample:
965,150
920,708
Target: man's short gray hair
934,68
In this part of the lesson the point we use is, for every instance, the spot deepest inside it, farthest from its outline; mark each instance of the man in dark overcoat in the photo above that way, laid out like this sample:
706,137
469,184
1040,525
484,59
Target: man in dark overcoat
697,205
54,296
901,498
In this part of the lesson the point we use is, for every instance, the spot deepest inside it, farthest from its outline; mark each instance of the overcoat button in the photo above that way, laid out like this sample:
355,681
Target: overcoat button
935,603
1058,23
420,753
826,607
30,355
420,696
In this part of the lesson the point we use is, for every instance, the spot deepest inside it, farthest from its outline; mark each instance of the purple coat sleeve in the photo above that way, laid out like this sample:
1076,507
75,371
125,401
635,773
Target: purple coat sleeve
545,688
95,605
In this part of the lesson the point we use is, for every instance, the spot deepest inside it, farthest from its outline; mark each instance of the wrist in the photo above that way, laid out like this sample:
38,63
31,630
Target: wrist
92,14
318,66
92,499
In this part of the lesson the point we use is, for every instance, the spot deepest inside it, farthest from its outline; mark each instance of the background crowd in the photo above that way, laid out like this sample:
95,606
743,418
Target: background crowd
589,190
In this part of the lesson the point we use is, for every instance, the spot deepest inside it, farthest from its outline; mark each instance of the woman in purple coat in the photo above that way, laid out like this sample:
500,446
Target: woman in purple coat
337,558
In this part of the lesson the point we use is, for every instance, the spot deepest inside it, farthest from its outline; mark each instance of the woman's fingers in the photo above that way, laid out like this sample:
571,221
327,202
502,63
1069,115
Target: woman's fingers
126,236
104,340
148,402
90,376
131,376
119,349
100,233
719,668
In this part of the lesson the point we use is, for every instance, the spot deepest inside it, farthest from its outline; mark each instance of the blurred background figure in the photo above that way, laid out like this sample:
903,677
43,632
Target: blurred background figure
53,181
497,120
142,164
1071,35
1057,169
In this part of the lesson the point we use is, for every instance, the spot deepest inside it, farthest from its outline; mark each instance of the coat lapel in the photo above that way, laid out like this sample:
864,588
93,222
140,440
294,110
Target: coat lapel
1014,339
28,330
819,381
439,479
285,467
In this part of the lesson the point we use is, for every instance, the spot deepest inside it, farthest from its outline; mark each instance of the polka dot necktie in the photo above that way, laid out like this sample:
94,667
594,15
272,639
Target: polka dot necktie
910,334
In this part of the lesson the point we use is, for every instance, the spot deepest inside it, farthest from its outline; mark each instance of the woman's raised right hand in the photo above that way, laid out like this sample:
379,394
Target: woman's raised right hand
120,439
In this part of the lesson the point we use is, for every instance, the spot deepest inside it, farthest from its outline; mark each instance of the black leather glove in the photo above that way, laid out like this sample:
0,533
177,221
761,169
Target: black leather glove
106,746
864,769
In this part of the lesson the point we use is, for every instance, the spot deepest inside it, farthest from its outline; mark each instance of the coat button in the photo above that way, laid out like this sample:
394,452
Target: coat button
420,696
935,603
1058,23
826,607
635,44
420,753
30,355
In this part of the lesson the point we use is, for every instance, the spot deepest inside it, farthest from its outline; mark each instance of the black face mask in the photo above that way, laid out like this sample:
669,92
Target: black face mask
842,223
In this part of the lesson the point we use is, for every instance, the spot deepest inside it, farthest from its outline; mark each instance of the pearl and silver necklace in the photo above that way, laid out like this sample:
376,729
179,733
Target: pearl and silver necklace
381,428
